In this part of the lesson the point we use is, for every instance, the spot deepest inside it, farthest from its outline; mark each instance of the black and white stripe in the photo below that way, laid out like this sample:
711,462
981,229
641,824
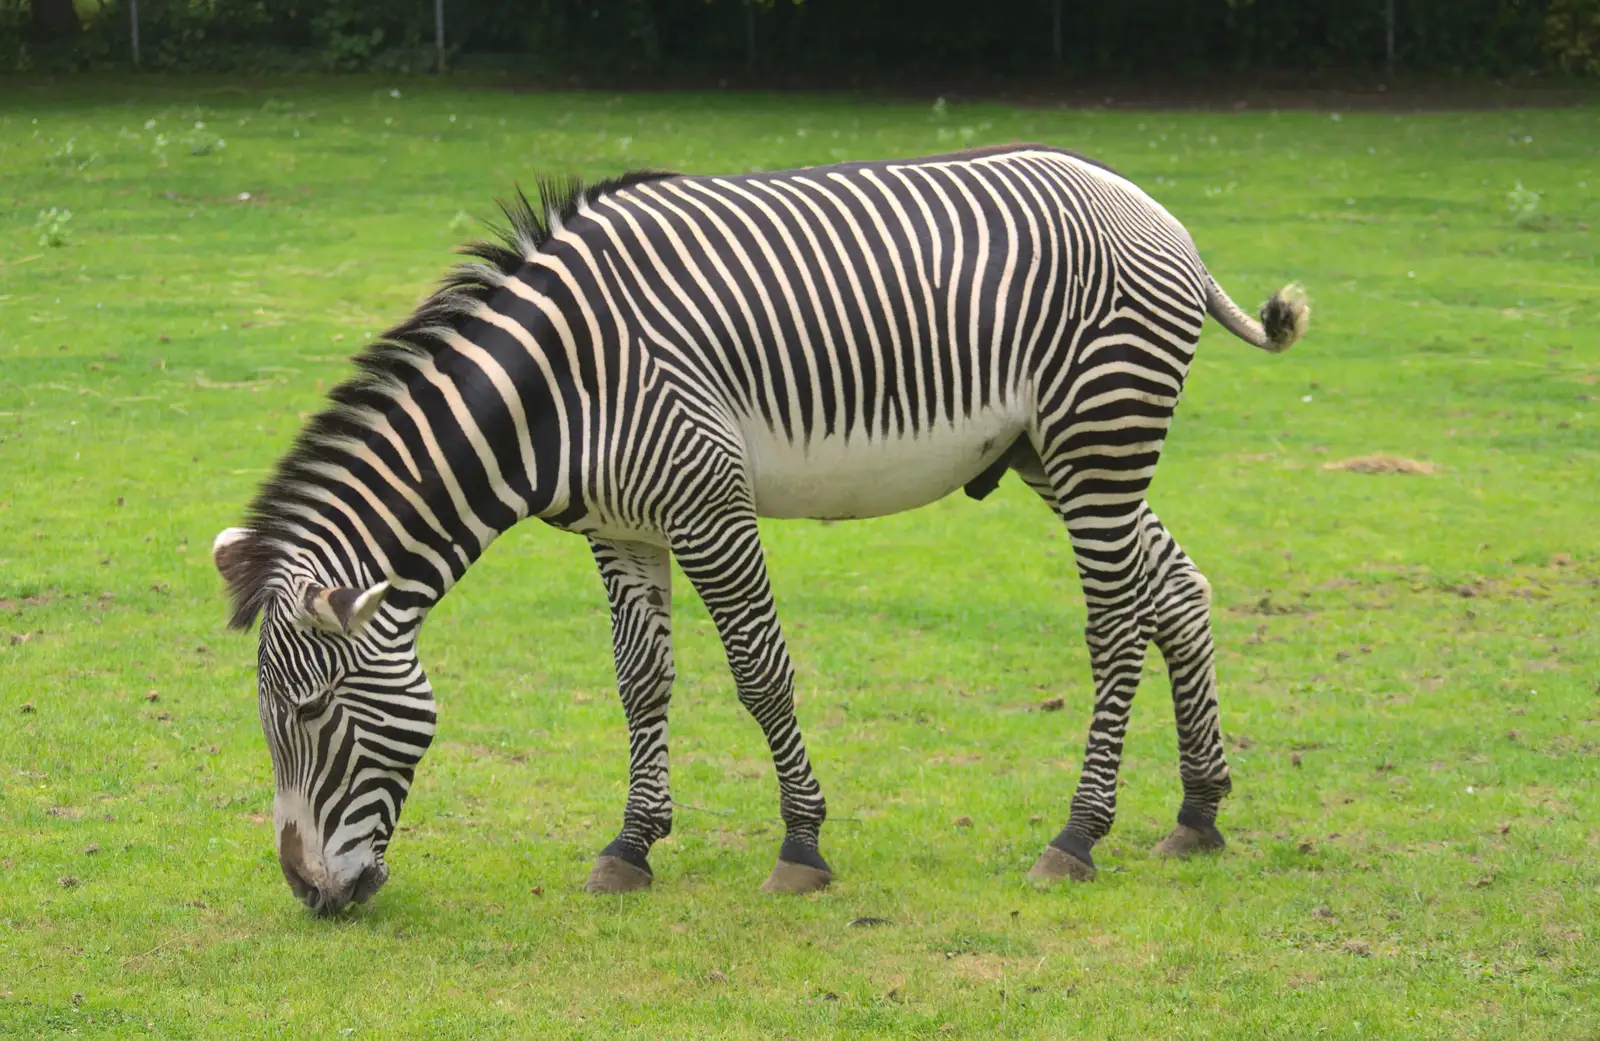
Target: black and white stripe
657,361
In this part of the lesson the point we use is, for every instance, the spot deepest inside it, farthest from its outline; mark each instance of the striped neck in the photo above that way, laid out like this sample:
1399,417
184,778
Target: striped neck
468,446
469,416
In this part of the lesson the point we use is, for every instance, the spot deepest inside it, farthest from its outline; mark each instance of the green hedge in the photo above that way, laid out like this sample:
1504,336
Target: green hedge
867,39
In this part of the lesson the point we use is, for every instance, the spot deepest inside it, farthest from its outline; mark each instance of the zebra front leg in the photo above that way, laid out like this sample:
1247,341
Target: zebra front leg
724,560
638,579
1183,633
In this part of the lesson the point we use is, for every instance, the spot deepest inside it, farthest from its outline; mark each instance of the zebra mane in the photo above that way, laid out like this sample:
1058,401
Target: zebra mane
386,366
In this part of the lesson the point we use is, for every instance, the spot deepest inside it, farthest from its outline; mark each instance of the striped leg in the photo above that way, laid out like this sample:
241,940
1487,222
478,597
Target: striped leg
1096,480
1118,632
1183,632
725,562
1112,565
638,579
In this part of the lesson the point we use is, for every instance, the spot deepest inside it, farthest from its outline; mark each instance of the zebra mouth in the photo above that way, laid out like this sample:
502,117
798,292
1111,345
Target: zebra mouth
371,880
325,904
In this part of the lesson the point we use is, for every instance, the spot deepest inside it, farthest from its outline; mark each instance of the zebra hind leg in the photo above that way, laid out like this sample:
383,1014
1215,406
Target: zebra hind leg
724,561
638,580
1183,634
1102,510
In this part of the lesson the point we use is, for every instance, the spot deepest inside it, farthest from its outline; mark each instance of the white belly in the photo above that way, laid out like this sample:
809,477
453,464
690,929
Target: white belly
830,479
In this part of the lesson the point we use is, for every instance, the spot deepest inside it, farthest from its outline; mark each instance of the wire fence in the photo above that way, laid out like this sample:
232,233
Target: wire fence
850,37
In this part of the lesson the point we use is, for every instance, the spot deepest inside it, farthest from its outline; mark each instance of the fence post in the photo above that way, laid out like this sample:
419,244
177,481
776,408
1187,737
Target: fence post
1388,52
438,32
1055,37
133,9
750,35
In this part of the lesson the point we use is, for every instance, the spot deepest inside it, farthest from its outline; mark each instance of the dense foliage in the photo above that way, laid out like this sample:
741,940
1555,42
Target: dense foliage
775,39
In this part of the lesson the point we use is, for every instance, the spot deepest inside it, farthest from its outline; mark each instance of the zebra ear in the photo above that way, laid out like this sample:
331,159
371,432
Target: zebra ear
343,611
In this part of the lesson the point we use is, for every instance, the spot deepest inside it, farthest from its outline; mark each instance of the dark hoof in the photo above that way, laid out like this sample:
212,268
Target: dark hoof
1054,864
789,877
1186,841
615,875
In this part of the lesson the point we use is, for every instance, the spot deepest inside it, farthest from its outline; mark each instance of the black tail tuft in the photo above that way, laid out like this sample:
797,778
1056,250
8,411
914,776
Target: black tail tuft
1284,317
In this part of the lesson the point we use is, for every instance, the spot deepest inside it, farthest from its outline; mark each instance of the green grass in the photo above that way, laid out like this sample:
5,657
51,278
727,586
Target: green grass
1408,662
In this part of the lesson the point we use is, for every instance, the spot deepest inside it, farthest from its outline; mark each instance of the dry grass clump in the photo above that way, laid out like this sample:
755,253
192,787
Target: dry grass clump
1381,464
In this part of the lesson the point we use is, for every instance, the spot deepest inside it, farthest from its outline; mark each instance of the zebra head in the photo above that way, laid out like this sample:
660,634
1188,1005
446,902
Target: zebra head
347,713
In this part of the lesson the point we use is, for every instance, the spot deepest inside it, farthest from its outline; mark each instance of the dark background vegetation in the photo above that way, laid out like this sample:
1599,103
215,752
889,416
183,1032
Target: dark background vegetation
779,42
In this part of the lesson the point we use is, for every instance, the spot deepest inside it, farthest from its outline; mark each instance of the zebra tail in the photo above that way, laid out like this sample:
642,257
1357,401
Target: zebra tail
1283,318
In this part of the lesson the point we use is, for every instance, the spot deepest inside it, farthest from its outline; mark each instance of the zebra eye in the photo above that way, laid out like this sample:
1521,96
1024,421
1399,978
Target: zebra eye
314,706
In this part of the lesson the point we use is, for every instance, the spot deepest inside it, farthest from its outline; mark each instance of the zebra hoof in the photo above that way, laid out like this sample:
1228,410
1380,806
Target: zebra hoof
789,877
615,875
1054,864
1186,841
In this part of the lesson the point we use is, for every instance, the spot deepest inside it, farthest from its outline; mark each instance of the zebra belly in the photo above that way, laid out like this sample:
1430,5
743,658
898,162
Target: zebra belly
833,478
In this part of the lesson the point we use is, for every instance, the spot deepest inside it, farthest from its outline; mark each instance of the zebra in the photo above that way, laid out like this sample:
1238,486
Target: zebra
656,361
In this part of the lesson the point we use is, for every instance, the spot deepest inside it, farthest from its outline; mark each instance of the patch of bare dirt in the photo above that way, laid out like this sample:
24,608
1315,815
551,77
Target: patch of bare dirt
36,600
475,750
985,968
1381,464
1269,607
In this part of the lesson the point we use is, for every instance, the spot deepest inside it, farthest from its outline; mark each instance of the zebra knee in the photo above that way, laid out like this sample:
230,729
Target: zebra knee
1180,579
1174,577
1183,599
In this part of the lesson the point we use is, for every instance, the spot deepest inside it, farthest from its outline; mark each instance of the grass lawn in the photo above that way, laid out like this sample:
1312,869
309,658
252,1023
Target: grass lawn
1410,663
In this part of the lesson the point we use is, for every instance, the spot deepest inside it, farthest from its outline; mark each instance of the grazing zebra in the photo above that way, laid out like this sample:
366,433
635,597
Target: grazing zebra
656,361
